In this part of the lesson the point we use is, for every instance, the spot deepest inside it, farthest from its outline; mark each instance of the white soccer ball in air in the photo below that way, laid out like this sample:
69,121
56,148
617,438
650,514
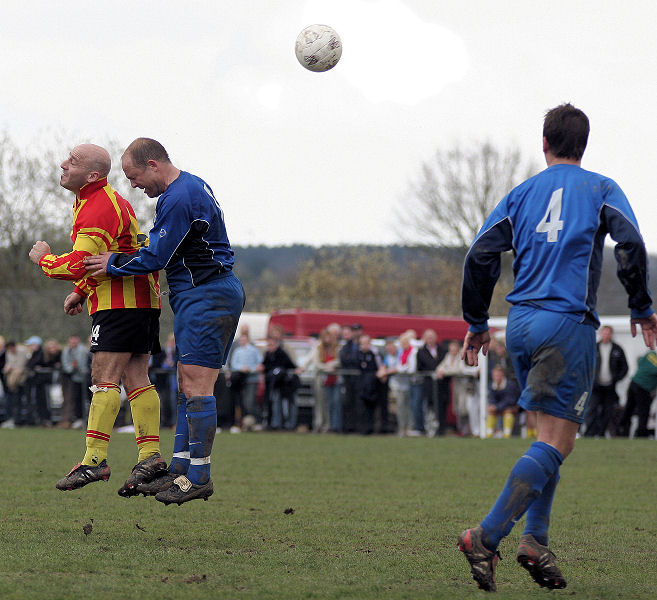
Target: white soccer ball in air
318,48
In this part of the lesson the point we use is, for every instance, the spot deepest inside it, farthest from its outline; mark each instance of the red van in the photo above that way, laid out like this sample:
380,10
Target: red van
300,323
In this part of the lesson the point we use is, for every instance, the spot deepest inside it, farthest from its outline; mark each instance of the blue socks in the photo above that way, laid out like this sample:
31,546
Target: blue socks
180,460
196,425
538,514
529,478
202,422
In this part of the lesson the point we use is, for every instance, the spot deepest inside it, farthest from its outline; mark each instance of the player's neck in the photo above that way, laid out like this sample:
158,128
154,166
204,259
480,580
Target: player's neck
552,160
171,175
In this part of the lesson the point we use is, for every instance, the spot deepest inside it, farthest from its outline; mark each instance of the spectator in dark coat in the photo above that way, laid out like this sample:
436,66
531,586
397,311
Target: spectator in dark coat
610,368
349,360
35,390
368,388
281,383
428,358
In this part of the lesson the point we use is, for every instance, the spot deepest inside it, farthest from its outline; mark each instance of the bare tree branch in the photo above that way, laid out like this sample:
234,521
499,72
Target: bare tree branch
455,192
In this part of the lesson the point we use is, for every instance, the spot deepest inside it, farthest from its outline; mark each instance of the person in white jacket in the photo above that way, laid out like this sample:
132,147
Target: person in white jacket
464,398
401,381
324,360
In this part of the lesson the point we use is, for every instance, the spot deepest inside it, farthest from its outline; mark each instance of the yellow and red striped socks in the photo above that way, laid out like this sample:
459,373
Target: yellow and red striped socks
145,409
105,405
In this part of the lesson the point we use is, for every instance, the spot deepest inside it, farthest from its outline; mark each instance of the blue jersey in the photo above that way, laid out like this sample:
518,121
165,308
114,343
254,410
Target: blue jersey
556,223
188,238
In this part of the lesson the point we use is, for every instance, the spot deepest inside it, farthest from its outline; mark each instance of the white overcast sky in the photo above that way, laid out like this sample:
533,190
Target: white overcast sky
296,156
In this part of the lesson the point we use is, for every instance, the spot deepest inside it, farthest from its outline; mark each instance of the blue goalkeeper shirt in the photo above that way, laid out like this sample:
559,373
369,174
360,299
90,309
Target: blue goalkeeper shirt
188,239
556,223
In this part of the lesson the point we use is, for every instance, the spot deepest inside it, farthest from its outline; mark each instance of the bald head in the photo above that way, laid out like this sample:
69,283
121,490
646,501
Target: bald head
85,164
96,158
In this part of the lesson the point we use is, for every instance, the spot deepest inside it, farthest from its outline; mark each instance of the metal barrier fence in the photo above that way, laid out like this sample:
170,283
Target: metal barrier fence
49,383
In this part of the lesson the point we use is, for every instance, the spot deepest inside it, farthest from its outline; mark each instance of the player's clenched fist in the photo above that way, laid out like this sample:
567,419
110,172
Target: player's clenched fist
73,303
39,249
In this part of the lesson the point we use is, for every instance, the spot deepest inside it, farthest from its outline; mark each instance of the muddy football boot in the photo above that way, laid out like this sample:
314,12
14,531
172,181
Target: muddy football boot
143,472
482,561
159,484
81,475
183,490
540,562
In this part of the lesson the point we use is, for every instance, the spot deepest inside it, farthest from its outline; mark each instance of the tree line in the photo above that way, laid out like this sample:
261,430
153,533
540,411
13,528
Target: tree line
444,208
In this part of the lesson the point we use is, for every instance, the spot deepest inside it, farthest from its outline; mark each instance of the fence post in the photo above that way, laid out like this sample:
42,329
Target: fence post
483,394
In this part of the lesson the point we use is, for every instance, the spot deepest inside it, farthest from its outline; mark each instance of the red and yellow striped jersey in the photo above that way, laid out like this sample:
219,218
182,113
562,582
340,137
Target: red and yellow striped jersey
103,221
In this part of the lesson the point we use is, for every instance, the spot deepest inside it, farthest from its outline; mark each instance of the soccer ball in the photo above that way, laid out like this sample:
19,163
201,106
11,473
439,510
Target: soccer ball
248,423
318,48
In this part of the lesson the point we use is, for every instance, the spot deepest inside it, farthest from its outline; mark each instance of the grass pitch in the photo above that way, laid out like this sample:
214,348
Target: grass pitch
372,517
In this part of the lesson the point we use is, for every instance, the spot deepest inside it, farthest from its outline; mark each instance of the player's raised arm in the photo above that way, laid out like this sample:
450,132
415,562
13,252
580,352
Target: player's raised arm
70,265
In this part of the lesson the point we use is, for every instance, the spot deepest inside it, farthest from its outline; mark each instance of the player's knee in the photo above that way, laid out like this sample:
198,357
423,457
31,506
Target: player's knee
201,404
99,378
201,385
567,448
134,381
185,388
135,374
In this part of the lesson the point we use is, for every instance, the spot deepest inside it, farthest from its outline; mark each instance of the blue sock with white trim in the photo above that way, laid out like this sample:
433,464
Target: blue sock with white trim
180,460
538,514
527,480
202,422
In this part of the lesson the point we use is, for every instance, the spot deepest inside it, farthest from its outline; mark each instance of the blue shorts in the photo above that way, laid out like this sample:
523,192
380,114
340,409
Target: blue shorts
205,320
554,357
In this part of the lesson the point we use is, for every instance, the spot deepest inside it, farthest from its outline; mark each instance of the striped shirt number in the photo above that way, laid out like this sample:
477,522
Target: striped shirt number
551,222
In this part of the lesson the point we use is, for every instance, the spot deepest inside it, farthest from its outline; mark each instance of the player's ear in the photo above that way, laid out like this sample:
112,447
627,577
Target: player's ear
152,164
93,176
546,145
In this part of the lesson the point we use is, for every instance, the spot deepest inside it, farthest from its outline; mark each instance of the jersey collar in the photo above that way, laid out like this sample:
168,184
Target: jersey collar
88,189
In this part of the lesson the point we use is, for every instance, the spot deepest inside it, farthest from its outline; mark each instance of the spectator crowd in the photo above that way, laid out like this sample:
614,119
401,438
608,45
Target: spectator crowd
342,382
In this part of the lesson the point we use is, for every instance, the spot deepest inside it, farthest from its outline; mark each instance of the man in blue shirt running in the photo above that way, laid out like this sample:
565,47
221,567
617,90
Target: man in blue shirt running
555,223
189,241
